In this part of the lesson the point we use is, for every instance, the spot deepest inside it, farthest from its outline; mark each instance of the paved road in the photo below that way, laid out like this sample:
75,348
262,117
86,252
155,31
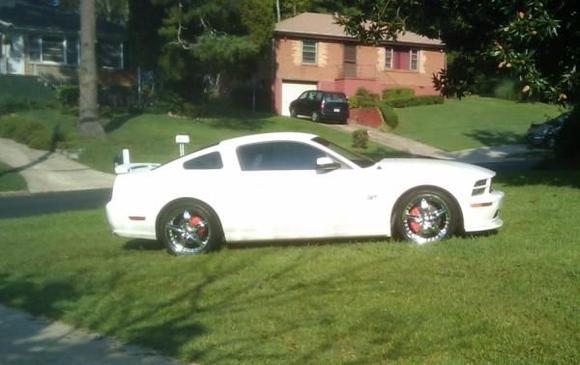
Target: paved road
46,203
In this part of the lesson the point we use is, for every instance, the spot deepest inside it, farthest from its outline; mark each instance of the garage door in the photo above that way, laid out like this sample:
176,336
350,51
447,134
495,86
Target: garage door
291,91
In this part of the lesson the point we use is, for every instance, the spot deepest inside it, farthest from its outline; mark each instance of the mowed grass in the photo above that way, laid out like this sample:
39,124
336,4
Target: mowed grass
472,122
151,137
508,298
10,180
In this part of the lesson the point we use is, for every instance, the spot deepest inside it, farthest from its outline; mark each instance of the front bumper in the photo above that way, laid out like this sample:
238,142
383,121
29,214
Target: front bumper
483,213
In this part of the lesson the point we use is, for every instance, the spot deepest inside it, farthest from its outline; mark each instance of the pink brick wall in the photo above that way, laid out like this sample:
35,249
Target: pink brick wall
328,71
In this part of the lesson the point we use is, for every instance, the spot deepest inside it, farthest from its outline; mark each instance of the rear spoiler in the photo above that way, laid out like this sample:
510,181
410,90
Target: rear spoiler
123,164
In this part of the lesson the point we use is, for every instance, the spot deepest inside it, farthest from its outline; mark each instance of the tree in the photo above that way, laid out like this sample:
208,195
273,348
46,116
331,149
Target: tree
88,123
535,41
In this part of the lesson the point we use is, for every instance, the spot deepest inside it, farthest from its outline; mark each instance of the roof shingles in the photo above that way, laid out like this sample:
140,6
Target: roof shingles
324,25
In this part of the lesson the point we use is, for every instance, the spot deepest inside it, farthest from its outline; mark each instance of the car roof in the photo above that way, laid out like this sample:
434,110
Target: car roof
268,137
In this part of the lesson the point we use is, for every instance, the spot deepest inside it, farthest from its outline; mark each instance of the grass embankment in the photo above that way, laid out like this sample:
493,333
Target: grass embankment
509,298
10,180
151,137
472,122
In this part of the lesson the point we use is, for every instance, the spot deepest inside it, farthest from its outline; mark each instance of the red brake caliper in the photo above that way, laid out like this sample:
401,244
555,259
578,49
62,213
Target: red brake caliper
197,222
414,225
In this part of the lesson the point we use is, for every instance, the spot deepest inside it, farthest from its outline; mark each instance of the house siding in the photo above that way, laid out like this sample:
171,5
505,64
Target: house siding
328,72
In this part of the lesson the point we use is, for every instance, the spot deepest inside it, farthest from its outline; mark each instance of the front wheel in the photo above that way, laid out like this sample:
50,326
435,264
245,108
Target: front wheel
293,113
189,228
426,215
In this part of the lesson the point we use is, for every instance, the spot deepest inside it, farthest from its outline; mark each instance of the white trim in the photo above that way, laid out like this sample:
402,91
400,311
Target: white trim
418,51
315,52
392,52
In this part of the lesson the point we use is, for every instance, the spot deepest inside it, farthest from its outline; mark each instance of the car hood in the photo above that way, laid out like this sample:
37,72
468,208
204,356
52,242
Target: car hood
433,167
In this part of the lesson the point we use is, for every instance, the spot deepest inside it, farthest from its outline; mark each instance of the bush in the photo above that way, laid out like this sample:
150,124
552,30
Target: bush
27,132
416,101
398,93
360,138
363,99
8,106
389,115
68,95
33,133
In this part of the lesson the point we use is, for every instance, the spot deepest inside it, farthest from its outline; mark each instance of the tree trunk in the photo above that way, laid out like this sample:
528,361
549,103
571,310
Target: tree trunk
88,123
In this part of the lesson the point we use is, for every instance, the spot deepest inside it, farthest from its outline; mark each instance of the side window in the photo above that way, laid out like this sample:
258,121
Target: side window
278,156
319,96
211,161
303,95
312,95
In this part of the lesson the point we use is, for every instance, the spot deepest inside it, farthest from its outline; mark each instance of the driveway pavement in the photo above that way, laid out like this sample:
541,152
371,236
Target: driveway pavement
25,340
47,171
482,155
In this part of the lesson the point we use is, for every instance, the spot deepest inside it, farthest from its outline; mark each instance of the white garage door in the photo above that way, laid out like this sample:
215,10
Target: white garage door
291,91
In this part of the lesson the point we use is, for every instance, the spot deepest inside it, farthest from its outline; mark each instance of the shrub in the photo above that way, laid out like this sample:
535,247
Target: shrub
389,115
27,132
363,99
68,95
360,138
398,93
416,101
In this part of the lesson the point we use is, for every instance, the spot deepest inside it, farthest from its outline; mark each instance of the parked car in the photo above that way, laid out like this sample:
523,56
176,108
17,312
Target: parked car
281,186
546,134
321,105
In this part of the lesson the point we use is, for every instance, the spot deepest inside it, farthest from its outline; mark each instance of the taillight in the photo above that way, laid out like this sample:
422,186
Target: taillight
322,104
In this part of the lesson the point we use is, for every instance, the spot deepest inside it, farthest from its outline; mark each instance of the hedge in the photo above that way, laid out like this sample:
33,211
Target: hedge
416,101
398,93
389,115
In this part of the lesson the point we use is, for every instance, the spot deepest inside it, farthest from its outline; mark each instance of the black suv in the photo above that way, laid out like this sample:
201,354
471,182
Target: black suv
321,105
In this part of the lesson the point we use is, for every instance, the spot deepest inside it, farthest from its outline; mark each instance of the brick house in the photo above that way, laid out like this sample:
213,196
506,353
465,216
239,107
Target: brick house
311,51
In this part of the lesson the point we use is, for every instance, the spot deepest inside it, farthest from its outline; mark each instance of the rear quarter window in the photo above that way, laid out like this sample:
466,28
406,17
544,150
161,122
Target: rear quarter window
211,161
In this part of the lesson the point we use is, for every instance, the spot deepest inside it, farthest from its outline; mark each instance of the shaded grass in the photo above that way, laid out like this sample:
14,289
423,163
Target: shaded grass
472,122
10,180
508,298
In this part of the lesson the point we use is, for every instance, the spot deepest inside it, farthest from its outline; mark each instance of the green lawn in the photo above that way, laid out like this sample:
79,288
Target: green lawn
151,138
472,122
10,180
509,298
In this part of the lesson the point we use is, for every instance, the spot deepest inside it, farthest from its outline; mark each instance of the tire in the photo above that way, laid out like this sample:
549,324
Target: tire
551,142
316,117
293,113
189,227
425,215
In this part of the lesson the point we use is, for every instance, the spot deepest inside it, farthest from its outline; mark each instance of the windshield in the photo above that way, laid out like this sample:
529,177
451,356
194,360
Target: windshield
359,160
335,97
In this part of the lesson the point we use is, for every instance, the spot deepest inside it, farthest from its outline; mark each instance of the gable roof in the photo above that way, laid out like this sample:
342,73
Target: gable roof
38,16
323,26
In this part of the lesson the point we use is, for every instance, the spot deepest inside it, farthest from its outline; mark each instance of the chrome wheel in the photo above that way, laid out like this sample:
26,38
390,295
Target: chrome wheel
427,217
187,231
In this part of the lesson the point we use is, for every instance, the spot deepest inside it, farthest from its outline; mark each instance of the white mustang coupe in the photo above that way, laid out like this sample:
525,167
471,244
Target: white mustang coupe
280,186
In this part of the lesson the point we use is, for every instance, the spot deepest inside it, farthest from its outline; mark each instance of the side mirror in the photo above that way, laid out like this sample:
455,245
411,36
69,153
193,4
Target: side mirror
326,164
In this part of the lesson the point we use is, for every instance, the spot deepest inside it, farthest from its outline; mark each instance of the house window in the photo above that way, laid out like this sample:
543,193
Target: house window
389,58
53,50
414,59
110,54
309,51
401,58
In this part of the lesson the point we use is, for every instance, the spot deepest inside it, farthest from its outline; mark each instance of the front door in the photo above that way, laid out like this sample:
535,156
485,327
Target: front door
15,55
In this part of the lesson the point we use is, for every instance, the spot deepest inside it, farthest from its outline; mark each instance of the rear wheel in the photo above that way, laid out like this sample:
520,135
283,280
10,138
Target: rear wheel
189,228
426,215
